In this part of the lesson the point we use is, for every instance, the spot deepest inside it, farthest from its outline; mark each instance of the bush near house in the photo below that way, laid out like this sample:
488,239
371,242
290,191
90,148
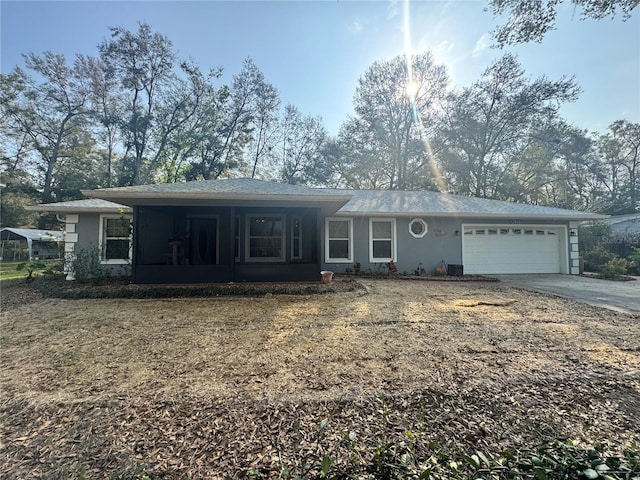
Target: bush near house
614,268
607,255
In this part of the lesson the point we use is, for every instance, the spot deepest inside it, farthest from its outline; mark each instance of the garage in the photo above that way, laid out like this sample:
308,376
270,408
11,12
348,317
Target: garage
494,249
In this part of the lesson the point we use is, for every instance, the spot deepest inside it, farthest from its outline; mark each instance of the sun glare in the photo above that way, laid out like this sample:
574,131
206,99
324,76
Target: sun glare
411,90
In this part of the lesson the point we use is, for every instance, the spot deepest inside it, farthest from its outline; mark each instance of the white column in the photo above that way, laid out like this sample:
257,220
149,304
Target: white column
70,240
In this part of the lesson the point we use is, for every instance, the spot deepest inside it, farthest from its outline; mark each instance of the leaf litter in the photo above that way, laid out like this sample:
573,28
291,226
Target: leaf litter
215,387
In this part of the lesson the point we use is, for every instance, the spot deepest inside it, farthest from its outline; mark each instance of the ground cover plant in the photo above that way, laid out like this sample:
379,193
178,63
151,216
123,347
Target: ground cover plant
16,270
399,379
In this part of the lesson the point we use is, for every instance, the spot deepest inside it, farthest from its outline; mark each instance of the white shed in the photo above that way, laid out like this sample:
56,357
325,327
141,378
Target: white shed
41,244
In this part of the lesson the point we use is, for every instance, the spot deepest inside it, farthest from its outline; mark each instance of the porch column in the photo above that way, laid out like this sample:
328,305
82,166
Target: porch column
232,243
70,241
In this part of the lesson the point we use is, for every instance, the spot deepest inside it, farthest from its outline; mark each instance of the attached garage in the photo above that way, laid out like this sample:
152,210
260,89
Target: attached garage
496,249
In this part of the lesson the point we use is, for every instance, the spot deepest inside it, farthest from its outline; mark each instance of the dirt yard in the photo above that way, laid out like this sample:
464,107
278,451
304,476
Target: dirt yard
207,388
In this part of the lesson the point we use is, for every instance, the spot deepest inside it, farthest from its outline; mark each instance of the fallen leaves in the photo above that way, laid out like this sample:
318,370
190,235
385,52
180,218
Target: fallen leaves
214,387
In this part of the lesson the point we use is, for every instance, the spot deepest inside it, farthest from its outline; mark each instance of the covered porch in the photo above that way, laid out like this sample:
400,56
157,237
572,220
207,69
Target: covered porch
217,243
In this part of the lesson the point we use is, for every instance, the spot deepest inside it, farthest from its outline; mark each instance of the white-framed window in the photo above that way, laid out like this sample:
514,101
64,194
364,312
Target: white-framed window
338,243
382,240
265,238
296,238
115,239
417,228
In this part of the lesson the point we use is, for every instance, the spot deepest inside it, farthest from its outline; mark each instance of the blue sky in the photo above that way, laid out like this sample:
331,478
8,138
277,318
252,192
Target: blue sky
314,51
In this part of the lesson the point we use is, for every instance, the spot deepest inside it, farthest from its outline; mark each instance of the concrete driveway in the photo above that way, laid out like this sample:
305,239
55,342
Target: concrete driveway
614,295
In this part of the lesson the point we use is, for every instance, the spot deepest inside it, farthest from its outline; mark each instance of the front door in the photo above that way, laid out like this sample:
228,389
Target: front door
203,241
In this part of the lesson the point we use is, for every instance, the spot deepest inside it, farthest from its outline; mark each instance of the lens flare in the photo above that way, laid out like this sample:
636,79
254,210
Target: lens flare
411,91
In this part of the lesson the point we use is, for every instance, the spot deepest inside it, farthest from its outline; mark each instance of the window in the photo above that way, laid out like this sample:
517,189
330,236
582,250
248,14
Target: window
338,243
382,240
115,239
265,238
296,238
418,228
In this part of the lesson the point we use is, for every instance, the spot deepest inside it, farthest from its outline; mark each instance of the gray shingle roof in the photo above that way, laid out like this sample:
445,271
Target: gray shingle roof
216,189
632,217
395,202
95,205
357,202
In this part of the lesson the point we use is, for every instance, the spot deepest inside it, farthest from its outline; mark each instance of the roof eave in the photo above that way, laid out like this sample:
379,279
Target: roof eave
65,209
501,216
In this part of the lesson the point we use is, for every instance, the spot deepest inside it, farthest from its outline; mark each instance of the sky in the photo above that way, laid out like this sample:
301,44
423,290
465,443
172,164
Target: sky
313,52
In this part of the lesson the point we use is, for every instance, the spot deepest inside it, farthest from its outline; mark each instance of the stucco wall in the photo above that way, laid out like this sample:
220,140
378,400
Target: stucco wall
442,242
82,232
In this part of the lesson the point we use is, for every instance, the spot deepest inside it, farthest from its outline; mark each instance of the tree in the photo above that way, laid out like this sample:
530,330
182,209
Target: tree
530,20
226,127
355,159
47,115
620,153
299,148
140,65
395,104
106,114
577,171
262,103
487,128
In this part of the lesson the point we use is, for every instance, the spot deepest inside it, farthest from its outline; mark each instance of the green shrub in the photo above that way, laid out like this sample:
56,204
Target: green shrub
634,261
31,268
597,257
85,264
614,268
54,268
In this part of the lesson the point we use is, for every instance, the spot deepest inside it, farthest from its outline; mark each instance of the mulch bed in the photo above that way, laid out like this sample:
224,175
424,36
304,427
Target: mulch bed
114,287
122,288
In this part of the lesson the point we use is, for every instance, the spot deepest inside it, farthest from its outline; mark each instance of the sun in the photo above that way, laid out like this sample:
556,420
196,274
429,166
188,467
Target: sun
411,89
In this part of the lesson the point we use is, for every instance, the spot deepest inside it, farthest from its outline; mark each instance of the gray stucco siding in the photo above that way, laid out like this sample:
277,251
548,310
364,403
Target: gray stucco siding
443,242
87,237
440,243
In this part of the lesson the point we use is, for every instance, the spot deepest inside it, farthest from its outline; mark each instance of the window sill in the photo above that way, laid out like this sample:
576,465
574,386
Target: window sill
115,262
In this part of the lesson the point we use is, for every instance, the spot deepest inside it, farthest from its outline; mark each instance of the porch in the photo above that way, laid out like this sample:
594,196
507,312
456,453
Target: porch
197,244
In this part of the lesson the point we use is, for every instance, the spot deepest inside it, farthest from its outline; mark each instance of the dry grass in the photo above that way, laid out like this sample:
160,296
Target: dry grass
513,355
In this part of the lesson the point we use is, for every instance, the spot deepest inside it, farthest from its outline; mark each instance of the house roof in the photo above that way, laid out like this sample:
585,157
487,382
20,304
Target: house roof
415,203
353,202
95,205
222,189
32,234
615,219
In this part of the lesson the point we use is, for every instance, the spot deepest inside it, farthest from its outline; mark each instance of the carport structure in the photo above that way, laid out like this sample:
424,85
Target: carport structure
41,244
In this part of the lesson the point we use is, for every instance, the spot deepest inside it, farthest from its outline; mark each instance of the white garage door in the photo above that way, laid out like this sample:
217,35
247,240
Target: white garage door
511,249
